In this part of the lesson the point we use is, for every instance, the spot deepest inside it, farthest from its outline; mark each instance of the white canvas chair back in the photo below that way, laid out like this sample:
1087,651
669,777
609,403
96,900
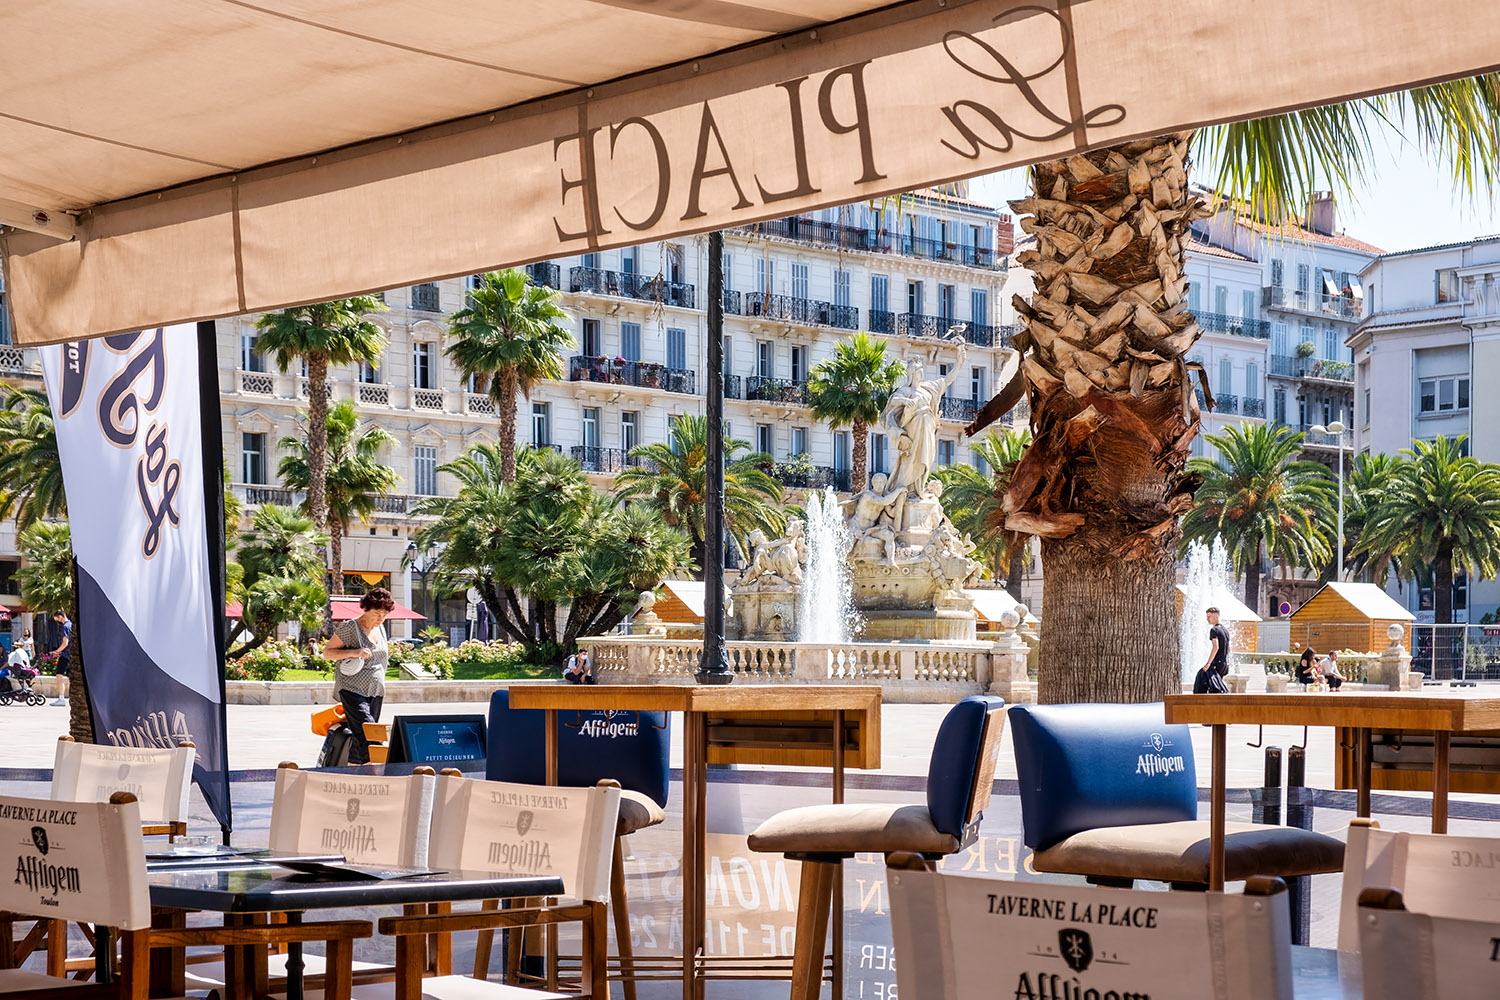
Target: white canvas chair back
961,937
78,861
159,779
1438,874
496,826
369,820
1414,956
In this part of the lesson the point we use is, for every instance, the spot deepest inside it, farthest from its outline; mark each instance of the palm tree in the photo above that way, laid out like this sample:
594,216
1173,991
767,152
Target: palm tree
355,476
1103,357
31,480
328,333
277,576
1439,508
1368,477
851,389
509,335
672,479
975,502
281,541
1260,498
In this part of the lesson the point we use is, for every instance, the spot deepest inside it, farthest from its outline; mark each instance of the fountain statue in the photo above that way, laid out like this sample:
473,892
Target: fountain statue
887,563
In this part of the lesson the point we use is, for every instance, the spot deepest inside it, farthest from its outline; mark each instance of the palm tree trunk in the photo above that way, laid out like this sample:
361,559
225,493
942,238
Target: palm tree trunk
1252,580
317,437
80,720
859,475
335,556
1442,584
505,399
1013,575
1103,483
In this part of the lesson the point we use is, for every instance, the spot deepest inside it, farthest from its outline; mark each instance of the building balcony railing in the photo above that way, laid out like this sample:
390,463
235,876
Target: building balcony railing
545,273
648,288
776,390
834,234
810,477
254,494
954,253
1226,403
1312,303
984,335
605,459
731,303
1315,368
645,374
304,388
1311,439
918,325
425,298
257,383
732,387
958,408
1239,326
427,399
374,393
479,402
398,503
13,361
1253,407
794,310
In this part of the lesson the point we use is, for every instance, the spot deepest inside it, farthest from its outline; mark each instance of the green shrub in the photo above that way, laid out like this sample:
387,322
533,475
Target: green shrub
267,662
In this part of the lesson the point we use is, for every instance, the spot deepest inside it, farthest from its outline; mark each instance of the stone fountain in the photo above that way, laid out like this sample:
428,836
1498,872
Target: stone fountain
888,565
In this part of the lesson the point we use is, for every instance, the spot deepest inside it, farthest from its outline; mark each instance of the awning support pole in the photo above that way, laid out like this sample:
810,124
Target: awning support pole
714,667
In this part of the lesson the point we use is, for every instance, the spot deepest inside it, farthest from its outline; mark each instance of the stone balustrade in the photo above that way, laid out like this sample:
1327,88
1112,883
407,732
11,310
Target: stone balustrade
915,672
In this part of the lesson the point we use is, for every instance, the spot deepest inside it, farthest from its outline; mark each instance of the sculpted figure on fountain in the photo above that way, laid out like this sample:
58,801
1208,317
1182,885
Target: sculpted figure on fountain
776,563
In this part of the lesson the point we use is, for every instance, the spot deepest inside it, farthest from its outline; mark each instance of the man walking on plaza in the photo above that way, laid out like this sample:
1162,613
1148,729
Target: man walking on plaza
63,654
1218,637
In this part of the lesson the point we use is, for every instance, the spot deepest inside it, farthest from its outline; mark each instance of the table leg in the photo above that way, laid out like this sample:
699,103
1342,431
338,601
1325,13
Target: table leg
549,739
169,965
692,902
1362,772
549,941
838,878
1216,814
294,965
1440,746
700,847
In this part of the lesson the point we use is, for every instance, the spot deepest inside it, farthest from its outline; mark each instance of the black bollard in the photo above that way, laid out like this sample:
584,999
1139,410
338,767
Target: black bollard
1267,798
1299,815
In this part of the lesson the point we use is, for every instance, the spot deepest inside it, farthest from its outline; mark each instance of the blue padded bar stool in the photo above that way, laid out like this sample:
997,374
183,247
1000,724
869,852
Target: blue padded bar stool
1111,792
629,747
959,780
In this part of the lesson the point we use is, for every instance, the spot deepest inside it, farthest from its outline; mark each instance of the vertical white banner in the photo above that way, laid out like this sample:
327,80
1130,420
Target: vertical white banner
128,418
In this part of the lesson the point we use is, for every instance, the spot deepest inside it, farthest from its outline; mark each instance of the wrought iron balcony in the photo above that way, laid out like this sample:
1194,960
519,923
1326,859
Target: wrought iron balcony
958,408
618,371
605,459
425,298
795,310
810,477
1253,407
731,303
917,325
776,390
731,387
545,273
1318,368
1239,326
1226,403
817,231
647,288
1312,303
913,246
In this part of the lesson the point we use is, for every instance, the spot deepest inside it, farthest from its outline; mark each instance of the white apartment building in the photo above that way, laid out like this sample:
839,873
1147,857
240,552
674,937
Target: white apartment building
793,288
1427,346
1224,293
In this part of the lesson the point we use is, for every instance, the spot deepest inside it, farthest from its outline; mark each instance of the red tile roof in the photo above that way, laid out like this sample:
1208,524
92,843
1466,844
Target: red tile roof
1196,245
1295,231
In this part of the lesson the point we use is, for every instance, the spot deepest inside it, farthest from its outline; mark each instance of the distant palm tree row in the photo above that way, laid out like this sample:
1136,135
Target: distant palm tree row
1423,514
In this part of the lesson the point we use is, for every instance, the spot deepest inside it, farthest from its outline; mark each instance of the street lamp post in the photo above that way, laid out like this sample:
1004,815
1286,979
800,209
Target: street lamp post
421,561
1336,429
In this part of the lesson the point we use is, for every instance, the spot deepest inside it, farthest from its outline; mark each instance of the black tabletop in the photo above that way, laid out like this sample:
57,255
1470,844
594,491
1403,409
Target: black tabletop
257,887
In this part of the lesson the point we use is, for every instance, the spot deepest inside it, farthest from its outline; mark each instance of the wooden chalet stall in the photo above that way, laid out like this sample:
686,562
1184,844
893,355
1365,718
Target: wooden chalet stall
1349,616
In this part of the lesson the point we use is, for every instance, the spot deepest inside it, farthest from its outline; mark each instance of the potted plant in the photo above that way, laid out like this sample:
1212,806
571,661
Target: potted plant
1305,350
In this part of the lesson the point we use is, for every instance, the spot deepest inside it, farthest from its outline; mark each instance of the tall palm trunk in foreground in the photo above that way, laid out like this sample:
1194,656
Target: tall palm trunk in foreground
1113,412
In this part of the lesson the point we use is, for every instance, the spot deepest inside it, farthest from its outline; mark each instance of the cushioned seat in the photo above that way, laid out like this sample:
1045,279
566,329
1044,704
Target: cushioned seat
848,830
16,980
1178,852
637,811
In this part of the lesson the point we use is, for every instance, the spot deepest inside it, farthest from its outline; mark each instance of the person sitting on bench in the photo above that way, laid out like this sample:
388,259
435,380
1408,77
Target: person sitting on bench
1307,667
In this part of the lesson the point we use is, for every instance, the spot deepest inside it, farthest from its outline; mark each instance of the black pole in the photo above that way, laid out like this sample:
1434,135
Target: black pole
714,668
211,428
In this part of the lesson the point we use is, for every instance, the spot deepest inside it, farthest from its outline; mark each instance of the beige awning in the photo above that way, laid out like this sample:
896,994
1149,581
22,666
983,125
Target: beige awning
213,158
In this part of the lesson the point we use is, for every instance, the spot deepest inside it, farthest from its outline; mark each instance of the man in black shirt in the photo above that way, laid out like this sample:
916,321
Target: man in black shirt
1210,679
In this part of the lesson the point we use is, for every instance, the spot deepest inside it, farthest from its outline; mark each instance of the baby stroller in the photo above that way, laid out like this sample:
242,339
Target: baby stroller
15,687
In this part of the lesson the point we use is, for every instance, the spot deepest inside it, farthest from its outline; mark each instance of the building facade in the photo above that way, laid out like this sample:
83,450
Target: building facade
794,288
1428,344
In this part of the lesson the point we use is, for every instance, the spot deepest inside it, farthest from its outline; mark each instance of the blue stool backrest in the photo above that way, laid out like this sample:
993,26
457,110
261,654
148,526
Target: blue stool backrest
1082,767
630,747
962,770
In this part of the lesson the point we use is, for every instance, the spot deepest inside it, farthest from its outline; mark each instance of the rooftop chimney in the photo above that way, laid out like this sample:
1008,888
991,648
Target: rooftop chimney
1320,214
1005,236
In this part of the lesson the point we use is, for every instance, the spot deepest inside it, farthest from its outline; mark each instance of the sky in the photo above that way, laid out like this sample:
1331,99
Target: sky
1403,205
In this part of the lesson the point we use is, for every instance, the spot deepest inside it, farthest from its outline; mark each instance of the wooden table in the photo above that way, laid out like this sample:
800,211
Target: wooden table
832,725
1442,715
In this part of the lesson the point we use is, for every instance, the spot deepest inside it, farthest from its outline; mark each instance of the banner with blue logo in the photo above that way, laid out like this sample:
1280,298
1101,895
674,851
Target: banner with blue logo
141,483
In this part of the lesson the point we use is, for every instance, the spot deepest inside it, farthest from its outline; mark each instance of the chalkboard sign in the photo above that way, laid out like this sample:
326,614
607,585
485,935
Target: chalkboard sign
436,739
